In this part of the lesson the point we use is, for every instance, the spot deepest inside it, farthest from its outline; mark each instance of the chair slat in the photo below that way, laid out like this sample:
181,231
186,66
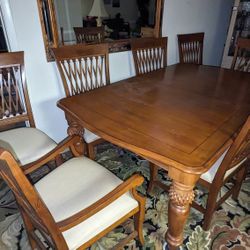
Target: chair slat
89,34
149,54
241,59
82,67
13,91
191,47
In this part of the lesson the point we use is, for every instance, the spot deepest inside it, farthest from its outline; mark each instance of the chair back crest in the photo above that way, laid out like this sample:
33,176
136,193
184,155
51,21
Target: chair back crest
28,200
191,48
149,54
238,152
241,60
89,34
82,67
14,104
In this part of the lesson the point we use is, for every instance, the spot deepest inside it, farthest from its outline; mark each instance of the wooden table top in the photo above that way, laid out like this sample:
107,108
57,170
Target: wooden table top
179,116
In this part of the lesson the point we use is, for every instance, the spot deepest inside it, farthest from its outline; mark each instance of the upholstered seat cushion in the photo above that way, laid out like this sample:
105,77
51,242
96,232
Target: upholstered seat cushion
89,136
26,144
77,184
210,174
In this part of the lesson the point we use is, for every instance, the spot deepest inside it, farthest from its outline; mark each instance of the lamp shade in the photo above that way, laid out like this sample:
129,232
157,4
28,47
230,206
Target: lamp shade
98,9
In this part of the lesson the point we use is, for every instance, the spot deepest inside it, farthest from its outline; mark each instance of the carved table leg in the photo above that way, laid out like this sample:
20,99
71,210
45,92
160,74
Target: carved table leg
181,196
75,129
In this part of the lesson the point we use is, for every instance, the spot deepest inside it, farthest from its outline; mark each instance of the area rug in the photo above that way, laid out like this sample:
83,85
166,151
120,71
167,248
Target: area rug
230,227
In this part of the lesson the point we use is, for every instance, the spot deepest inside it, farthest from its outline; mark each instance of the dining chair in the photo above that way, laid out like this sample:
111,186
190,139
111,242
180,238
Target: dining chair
83,68
191,48
89,34
149,54
17,126
230,166
241,59
76,204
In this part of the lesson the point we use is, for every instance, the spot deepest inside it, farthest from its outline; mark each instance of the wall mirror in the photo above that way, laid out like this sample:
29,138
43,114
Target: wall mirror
66,22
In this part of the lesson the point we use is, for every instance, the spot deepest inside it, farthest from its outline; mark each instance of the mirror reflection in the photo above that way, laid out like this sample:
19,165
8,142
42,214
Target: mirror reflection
90,21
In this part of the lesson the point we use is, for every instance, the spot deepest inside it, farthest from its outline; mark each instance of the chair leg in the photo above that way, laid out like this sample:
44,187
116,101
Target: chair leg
91,151
153,176
139,216
138,220
29,229
241,175
210,208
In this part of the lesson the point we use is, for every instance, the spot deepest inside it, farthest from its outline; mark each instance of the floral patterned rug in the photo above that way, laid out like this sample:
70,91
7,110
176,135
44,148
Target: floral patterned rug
230,228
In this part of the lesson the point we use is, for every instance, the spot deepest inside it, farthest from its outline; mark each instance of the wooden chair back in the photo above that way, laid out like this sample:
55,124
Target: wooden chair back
191,48
237,153
33,209
89,34
15,105
83,67
149,54
241,59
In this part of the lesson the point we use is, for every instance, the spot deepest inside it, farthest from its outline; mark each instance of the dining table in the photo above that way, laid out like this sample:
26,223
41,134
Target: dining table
180,118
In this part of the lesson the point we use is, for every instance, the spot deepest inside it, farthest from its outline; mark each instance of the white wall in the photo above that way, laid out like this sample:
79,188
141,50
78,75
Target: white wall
180,16
191,16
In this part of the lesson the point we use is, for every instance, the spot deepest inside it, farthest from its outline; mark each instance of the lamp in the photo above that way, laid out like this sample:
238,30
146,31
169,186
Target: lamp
99,11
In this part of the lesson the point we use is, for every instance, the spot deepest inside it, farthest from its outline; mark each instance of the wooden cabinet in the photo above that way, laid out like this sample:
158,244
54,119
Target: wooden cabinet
239,27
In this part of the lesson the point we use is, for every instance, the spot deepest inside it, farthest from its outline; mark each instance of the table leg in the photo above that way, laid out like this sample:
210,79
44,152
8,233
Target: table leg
181,196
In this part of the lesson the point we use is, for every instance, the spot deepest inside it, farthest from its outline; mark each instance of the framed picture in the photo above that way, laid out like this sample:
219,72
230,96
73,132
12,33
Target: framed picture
116,4
107,1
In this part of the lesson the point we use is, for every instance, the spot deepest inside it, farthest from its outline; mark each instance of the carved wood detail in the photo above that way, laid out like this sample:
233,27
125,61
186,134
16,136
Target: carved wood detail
181,195
75,129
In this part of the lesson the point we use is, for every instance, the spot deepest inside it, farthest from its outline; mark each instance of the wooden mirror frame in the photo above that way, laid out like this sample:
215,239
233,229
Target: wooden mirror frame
48,21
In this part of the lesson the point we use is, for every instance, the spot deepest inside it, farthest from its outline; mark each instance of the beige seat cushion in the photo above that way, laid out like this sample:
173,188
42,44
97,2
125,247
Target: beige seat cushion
26,144
210,174
89,136
75,185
